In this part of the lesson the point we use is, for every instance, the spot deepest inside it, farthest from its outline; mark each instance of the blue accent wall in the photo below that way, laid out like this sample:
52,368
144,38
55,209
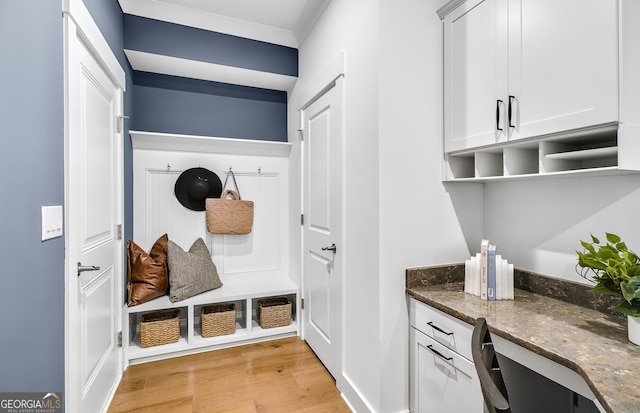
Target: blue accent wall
169,39
171,104
32,157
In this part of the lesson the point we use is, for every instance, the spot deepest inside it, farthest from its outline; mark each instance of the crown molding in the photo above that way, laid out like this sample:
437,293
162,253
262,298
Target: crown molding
308,19
208,21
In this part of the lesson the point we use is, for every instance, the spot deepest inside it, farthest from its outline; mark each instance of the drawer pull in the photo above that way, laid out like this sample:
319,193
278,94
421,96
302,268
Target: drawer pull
435,327
437,353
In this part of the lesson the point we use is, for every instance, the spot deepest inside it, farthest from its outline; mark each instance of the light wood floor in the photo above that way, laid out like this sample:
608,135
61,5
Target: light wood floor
275,376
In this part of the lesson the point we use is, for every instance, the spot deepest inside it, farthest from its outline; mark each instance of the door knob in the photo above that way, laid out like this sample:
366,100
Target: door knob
83,268
331,248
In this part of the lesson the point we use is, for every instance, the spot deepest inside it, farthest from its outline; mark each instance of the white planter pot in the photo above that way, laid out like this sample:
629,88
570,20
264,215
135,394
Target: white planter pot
633,328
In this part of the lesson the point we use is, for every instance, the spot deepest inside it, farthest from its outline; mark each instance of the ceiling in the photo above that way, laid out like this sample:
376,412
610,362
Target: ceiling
285,22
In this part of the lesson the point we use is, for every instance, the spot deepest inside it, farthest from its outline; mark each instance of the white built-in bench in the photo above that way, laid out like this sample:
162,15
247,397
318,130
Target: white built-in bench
243,290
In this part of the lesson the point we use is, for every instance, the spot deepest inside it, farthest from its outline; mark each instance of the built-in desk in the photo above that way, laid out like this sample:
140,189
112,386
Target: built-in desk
583,349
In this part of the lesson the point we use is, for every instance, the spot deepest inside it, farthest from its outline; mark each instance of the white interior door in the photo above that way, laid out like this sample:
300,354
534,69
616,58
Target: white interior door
93,215
322,227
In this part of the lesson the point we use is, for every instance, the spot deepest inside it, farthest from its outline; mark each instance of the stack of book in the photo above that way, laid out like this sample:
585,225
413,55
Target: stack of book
488,275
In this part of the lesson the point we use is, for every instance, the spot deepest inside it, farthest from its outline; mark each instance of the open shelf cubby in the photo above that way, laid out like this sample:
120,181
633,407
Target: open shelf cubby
543,156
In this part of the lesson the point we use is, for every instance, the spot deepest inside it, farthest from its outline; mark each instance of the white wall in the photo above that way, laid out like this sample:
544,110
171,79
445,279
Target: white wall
538,224
398,213
419,223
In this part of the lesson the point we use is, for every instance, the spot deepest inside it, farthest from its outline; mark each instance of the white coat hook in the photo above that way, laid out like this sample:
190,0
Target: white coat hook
260,171
168,167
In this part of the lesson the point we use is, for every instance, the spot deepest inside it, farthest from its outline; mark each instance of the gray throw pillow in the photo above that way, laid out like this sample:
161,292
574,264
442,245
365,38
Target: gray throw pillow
190,273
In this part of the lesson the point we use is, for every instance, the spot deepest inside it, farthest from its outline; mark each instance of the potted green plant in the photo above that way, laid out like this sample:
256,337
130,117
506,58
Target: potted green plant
616,270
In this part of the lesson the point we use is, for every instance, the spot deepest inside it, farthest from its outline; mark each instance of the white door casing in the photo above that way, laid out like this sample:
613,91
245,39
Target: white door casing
322,164
93,215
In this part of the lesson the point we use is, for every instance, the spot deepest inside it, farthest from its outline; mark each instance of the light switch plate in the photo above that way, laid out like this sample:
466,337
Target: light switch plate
51,222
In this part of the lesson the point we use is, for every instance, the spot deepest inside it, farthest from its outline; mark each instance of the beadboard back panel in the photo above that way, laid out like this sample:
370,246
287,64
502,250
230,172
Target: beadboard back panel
262,179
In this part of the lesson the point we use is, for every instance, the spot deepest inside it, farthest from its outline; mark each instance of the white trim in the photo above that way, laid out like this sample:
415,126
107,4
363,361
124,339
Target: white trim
208,144
208,21
90,34
308,19
322,81
168,65
353,396
448,8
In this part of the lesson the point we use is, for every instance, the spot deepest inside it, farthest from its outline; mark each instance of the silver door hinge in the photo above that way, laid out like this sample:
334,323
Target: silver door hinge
302,303
301,219
301,134
120,122
119,338
119,231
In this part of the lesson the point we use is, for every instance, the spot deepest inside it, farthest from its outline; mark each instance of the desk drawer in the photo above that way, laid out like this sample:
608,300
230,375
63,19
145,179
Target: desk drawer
442,380
447,330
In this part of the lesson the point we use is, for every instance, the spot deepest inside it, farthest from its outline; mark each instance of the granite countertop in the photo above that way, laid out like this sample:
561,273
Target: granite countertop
557,319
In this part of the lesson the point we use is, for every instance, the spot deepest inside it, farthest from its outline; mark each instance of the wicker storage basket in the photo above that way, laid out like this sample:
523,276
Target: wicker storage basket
159,328
274,312
218,319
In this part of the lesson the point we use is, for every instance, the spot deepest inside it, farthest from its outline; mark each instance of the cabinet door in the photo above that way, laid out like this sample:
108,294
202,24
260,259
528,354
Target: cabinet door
441,380
563,71
475,70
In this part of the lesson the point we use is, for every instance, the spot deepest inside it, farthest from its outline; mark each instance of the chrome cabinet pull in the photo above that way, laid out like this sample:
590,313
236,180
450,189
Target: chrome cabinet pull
435,327
437,353
498,103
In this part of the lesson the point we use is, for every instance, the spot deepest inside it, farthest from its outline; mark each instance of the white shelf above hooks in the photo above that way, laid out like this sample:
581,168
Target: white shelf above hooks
209,144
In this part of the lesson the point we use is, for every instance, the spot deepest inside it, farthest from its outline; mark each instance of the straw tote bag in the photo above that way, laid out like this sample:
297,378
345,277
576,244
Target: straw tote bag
229,214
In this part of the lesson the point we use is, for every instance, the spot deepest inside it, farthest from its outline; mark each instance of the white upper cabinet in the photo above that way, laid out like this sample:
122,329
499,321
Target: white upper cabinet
517,69
563,65
475,72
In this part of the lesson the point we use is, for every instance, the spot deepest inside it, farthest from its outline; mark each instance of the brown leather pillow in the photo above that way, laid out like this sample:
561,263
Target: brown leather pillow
148,276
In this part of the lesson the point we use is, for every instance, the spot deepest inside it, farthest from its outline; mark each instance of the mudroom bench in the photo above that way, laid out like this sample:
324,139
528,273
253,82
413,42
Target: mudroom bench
242,290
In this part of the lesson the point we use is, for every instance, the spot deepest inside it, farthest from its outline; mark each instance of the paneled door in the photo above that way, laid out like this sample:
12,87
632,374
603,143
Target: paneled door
322,124
93,198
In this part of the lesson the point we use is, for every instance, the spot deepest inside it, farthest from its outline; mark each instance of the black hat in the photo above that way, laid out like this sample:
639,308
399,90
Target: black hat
195,185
